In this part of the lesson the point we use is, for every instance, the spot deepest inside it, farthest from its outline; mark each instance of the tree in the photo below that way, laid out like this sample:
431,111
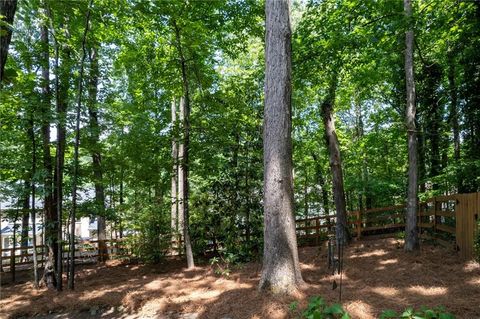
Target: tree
411,233
7,13
96,154
51,219
281,269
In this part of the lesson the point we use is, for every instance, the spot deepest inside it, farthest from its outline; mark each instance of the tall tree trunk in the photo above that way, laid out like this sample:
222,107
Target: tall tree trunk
71,276
96,154
62,74
333,146
411,232
184,161
51,224
281,269
31,135
7,11
174,188
183,189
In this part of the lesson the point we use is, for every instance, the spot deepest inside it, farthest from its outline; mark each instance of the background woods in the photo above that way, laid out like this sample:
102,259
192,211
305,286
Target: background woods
162,123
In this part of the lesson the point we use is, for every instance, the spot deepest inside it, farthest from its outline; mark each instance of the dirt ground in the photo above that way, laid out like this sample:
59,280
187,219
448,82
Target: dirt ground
378,275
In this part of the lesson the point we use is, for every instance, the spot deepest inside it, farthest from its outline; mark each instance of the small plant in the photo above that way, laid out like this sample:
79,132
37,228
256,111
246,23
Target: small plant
424,313
318,309
222,265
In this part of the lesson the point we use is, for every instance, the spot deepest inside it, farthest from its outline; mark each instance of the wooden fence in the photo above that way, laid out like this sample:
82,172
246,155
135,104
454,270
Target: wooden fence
85,252
449,220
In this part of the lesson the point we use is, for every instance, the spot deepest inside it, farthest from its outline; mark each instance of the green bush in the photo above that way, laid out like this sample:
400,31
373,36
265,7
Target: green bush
424,313
318,309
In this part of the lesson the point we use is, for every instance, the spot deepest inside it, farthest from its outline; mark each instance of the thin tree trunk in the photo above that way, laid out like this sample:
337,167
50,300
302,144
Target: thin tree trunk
174,188
7,11
25,215
51,224
71,277
411,232
184,161
31,136
96,155
341,228
281,269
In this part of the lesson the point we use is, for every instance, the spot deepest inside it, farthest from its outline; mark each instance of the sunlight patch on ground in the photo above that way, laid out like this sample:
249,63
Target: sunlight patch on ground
359,309
385,291
428,291
389,261
471,266
376,252
474,281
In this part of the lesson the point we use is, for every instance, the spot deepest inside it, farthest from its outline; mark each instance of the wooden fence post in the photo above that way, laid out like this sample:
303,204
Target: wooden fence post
12,262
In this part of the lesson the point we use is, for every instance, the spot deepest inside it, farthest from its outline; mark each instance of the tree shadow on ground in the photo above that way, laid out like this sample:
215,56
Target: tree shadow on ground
377,275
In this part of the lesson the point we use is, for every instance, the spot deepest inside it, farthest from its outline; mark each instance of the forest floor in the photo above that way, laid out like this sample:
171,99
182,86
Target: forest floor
378,275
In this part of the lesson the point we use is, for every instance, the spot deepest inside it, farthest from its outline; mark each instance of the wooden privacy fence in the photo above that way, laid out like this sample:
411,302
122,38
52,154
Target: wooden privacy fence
85,251
449,220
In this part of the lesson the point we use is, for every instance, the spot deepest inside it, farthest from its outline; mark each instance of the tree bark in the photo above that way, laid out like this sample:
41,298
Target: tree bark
25,215
31,135
281,269
174,188
183,188
185,146
71,276
51,224
411,232
333,146
96,154
7,11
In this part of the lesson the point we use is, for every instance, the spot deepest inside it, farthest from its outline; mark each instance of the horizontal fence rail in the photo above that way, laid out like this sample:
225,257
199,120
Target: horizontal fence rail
451,221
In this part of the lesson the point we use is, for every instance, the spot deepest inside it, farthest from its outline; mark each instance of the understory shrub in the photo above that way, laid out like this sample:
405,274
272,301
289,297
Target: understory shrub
318,309
423,313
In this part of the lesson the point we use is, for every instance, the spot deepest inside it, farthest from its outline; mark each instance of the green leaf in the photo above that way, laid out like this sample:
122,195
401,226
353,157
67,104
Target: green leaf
388,314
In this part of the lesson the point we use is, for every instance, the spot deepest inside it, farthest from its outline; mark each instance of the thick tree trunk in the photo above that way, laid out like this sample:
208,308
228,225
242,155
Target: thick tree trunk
411,232
174,188
96,155
333,146
51,224
7,11
281,269
185,147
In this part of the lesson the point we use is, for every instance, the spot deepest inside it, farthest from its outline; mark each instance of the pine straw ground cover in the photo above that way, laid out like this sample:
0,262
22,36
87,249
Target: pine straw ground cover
378,275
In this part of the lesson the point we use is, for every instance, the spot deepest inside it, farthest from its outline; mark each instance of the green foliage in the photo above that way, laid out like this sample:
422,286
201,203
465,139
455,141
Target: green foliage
423,313
318,309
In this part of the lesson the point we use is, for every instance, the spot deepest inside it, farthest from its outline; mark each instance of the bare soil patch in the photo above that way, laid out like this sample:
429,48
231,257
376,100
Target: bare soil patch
378,275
